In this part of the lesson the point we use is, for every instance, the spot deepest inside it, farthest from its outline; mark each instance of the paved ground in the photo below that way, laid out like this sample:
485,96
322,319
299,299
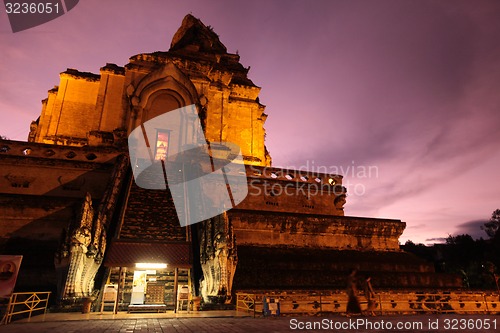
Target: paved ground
220,323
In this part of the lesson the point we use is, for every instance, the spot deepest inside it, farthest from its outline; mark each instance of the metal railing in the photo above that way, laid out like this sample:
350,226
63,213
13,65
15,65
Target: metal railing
26,303
478,303
387,302
247,302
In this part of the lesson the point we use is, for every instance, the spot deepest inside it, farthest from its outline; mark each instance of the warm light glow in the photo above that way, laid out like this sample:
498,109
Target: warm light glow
153,265
161,145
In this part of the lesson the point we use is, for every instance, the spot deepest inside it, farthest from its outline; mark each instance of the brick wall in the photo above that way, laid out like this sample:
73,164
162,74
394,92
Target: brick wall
151,215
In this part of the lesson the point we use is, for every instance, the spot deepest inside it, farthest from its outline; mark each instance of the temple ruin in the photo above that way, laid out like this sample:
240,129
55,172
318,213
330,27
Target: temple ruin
70,205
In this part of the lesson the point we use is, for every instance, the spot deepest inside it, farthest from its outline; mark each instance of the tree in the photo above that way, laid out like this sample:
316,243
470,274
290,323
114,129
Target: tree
463,240
493,225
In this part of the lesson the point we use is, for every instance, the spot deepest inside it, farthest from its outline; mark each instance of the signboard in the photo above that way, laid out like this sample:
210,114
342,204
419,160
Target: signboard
182,297
110,293
183,292
110,296
9,269
138,287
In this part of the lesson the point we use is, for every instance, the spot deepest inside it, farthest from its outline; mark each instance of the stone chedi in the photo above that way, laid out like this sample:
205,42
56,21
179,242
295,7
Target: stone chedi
87,109
83,206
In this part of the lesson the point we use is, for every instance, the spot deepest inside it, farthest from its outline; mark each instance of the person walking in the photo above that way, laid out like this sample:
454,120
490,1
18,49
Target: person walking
353,306
370,297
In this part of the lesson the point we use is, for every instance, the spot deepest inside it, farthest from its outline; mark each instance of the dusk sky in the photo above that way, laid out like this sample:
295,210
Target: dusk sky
408,88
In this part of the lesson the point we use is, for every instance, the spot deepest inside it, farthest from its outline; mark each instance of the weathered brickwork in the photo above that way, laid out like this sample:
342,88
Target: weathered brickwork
42,177
43,188
316,231
150,216
293,191
288,268
89,109
35,218
70,188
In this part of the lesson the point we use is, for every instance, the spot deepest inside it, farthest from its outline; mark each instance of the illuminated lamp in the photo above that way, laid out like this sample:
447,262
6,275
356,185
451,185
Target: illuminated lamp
152,265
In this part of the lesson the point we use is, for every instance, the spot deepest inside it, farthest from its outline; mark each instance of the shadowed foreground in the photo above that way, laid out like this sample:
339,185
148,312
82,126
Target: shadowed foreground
418,323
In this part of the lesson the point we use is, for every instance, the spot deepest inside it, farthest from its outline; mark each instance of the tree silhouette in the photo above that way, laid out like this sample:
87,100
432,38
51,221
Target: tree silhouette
493,225
477,261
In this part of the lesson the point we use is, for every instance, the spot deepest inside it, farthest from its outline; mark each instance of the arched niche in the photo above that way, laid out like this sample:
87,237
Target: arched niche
160,102
162,90
165,111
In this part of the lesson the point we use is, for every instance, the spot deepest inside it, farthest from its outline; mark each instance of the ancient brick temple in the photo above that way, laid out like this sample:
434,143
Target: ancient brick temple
70,205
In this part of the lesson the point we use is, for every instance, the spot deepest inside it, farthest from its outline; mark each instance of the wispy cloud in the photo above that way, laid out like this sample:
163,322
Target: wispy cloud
472,228
410,87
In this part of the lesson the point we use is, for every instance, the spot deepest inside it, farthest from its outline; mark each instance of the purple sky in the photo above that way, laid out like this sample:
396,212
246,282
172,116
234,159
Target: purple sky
408,88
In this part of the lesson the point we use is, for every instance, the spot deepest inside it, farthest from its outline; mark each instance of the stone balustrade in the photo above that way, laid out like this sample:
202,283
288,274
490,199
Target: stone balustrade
70,153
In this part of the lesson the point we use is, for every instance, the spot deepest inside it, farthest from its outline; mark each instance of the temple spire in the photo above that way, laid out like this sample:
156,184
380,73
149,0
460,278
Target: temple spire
194,34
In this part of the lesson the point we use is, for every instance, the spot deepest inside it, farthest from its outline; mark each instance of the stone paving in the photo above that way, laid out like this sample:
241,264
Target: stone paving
408,323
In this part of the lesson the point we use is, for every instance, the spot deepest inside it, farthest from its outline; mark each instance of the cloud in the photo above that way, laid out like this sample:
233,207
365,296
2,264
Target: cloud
472,228
416,102
417,226
410,87
438,240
